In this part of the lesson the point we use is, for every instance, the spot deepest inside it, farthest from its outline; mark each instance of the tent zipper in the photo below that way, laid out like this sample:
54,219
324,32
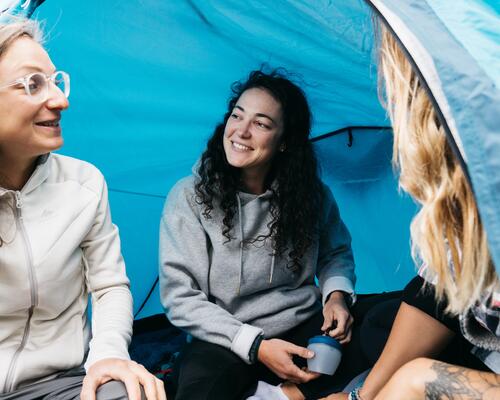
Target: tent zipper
9,380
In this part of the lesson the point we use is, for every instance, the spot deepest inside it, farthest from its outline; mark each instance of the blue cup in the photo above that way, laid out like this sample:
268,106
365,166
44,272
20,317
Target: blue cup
327,354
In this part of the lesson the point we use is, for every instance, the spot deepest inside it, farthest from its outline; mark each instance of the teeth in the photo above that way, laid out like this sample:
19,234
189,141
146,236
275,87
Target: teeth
240,146
49,123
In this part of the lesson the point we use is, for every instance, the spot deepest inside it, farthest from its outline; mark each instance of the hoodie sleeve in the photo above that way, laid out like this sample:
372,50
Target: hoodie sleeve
184,271
335,258
108,284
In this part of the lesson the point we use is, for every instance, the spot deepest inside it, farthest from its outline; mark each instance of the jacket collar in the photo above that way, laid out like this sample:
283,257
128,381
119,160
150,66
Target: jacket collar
39,175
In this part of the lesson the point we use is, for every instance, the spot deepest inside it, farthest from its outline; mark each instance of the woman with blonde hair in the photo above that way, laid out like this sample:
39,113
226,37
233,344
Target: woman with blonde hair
57,247
445,341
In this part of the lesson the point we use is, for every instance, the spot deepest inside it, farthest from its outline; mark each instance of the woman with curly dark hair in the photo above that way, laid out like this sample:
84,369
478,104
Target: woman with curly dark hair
241,244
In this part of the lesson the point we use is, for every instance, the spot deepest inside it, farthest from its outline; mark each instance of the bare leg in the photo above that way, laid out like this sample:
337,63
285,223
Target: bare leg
434,380
414,334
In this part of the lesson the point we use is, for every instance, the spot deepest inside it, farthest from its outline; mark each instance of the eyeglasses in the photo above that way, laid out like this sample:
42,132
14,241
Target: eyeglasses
36,85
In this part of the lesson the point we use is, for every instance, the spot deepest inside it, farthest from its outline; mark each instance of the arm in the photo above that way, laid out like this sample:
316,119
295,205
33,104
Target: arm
108,284
335,272
108,357
414,334
184,271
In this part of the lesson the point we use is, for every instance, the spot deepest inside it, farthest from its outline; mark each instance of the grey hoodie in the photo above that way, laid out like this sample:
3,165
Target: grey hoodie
227,293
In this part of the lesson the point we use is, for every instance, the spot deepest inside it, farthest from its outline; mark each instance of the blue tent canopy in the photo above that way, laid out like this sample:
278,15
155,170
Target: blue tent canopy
150,80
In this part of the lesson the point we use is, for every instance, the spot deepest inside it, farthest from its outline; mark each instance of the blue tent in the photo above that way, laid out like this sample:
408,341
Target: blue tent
150,81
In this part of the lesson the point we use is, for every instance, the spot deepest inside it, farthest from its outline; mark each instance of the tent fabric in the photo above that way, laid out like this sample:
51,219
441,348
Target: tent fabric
464,83
150,80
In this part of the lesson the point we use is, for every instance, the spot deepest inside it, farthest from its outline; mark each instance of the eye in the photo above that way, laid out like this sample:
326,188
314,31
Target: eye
35,83
262,125
235,116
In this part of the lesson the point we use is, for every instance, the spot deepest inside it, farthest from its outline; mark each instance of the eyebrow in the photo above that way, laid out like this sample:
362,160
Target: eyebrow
33,68
258,114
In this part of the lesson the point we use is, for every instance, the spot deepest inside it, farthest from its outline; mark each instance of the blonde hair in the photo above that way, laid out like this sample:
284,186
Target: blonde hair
16,28
448,227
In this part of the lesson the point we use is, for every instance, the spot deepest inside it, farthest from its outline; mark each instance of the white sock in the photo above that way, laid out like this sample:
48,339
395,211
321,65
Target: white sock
265,391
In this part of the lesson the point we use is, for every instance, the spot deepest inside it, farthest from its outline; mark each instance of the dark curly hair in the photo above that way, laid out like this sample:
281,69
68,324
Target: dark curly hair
296,198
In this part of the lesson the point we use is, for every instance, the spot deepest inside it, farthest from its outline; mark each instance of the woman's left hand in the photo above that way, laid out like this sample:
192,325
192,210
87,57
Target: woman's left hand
132,374
338,319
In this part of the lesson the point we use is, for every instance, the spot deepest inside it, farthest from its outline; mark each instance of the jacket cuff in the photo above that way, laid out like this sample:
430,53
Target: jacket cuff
338,283
243,341
103,351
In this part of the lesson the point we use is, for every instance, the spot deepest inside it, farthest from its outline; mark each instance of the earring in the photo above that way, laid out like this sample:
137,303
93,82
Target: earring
282,147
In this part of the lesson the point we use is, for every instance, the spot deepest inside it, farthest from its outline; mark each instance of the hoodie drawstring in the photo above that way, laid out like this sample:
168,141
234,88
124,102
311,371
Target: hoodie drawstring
272,267
242,240
241,243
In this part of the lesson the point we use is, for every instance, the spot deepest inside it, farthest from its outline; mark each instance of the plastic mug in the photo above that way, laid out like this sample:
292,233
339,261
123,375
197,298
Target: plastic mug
327,354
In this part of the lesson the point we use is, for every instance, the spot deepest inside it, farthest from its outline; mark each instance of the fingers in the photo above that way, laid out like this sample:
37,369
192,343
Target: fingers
132,385
153,387
89,388
343,330
300,351
297,375
328,322
160,389
132,374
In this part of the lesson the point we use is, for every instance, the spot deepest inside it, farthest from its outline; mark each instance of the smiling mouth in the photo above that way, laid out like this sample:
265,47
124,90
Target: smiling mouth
240,146
54,123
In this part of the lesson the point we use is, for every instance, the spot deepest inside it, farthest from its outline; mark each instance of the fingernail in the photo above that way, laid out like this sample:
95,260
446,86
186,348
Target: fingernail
310,354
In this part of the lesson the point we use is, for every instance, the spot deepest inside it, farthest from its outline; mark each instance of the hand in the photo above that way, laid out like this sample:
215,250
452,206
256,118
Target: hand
338,319
133,375
336,396
276,354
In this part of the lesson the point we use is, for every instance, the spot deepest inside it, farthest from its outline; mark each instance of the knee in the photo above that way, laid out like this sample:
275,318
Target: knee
413,376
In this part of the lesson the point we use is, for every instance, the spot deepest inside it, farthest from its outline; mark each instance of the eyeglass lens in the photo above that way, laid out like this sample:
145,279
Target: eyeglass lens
38,84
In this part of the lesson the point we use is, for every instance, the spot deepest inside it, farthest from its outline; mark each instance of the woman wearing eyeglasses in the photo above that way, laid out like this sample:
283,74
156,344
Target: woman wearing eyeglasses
57,246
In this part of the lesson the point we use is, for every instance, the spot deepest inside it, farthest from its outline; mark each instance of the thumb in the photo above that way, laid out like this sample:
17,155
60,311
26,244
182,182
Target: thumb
301,351
327,324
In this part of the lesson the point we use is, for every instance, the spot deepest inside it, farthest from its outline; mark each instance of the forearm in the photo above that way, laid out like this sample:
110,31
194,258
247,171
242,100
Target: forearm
430,379
111,324
414,334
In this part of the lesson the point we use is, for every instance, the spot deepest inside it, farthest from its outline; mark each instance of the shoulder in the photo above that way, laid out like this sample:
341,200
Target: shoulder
327,198
64,169
183,189
182,195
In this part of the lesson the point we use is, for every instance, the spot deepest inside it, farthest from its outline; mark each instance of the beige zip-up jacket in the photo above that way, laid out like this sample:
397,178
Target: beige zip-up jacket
59,246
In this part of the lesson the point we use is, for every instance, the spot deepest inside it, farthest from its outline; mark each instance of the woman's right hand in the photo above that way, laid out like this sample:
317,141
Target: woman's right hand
276,354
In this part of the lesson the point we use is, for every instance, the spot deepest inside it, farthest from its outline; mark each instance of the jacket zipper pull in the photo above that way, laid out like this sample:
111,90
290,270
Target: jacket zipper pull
19,202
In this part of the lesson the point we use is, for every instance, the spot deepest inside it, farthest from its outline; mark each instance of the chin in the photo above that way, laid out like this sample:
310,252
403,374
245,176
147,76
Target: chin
56,144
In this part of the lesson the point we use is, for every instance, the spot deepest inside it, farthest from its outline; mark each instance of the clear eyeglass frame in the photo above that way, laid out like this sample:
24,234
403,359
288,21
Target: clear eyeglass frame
36,84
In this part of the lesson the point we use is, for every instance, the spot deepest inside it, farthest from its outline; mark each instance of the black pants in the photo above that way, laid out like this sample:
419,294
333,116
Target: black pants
206,371
458,352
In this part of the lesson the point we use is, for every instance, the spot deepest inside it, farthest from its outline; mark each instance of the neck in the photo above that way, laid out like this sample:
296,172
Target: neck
15,172
253,181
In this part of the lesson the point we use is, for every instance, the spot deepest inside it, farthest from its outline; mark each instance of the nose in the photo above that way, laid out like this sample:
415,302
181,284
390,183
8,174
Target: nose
244,129
56,100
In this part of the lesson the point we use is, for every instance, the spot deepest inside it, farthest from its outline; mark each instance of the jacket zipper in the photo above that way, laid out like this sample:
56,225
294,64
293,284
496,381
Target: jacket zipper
9,381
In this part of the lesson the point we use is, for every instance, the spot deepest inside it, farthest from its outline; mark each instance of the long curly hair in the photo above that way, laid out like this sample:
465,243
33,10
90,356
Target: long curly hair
448,222
293,179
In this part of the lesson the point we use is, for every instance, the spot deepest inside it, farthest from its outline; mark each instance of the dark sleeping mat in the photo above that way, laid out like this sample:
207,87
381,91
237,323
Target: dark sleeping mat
156,343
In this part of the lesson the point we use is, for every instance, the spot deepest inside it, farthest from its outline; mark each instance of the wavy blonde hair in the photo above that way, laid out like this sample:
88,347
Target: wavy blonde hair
448,226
